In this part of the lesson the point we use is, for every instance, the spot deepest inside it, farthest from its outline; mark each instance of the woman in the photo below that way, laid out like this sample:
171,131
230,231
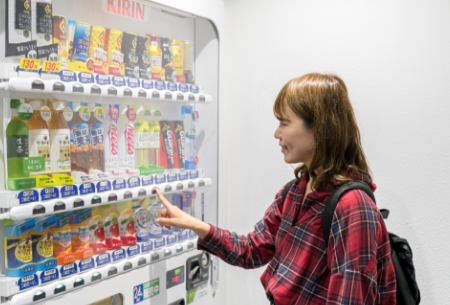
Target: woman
317,128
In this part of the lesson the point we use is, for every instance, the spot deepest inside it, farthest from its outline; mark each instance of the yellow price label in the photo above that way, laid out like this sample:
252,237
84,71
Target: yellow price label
28,64
51,66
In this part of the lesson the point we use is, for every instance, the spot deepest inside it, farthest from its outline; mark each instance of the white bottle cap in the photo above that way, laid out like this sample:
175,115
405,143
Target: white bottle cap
58,105
36,105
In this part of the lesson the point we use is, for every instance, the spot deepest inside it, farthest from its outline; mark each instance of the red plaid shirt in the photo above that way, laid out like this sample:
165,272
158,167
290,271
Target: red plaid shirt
355,268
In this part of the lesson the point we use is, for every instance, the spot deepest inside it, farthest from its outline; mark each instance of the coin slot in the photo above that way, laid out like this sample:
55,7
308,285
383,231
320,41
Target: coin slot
127,195
168,96
59,206
96,90
155,94
142,262
58,86
112,197
180,96
127,92
127,266
78,203
39,209
112,271
142,93
77,88
191,97
112,91
37,85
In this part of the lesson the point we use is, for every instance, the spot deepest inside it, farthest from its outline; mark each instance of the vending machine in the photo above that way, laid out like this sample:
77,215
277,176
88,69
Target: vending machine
104,101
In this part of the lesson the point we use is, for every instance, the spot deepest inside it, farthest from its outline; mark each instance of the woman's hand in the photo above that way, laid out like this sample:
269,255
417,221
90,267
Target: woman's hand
172,216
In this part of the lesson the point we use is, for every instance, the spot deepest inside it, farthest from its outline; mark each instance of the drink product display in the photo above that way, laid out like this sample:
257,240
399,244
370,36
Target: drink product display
97,49
155,138
59,140
141,137
41,22
19,23
97,233
110,218
80,234
178,61
96,134
39,137
18,248
141,225
111,138
42,240
62,239
129,45
187,51
79,140
179,145
167,151
155,54
80,40
143,54
16,142
60,37
115,57
152,214
126,223
126,137
167,71
190,117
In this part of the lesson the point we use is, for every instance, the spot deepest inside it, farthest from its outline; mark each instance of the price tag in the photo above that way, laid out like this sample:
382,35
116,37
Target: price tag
183,88
29,65
160,85
147,84
34,164
194,89
172,86
51,67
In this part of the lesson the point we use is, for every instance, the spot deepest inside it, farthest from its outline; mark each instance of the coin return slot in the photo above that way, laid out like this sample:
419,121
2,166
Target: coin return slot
142,193
179,187
190,246
59,206
96,90
127,92
78,203
191,185
202,98
77,88
168,188
37,85
112,91
168,96
112,271
201,183
155,257
127,266
142,262
40,295
127,195
142,93
180,96
96,277
96,200
58,86
191,97
155,94
112,197
38,210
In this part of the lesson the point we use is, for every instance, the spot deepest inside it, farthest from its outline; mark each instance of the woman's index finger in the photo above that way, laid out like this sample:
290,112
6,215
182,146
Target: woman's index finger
163,199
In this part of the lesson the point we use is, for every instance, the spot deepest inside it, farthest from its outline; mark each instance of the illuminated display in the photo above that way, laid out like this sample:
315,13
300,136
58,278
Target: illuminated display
175,277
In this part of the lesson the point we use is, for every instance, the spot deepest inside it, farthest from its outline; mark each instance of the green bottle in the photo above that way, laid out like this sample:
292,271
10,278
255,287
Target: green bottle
16,142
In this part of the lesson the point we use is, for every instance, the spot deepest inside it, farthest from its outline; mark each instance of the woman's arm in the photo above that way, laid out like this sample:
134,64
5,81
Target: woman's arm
251,251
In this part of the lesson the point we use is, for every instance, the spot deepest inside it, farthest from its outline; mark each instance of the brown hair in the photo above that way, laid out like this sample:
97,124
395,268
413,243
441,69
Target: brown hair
322,101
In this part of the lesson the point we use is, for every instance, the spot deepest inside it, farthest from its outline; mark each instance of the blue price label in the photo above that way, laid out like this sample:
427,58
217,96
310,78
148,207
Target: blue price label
147,84
171,239
118,81
103,80
160,85
68,76
133,250
69,190
183,88
171,177
172,86
147,246
86,264
160,242
119,184
103,259
49,193
182,235
147,180
183,175
134,83
194,174
87,188
103,186
118,255
49,275
28,196
28,282
134,182
161,178
86,78
68,269
194,89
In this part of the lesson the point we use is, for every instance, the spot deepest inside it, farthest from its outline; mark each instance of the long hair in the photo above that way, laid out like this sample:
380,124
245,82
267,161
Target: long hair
322,101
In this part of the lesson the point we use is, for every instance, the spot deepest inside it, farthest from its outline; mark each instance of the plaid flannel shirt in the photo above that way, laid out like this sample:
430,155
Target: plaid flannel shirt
355,268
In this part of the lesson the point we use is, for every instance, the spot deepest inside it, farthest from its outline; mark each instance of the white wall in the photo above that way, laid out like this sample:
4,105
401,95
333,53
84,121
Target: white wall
395,59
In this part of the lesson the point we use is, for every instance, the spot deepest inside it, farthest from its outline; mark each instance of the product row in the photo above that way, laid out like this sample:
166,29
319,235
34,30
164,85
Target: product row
32,25
56,142
89,238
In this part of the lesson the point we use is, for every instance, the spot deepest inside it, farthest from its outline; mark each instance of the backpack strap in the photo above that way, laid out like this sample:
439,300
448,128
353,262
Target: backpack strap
287,188
330,207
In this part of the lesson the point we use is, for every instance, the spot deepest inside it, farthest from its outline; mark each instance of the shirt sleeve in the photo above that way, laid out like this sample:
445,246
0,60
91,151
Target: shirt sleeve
251,251
359,254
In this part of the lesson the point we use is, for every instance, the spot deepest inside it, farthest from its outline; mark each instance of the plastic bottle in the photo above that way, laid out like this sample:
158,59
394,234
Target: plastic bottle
177,60
62,239
16,142
96,133
79,139
39,138
152,215
141,137
18,248
59,140
126,223
126,137
110,218
42,238
140,219
111,138
97,233
190,117
80,234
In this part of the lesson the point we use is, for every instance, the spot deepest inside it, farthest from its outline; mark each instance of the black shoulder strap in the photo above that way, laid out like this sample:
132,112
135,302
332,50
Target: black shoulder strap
327,216
287,188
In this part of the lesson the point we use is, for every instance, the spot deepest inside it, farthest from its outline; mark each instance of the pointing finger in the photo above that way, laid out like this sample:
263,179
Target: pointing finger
163,199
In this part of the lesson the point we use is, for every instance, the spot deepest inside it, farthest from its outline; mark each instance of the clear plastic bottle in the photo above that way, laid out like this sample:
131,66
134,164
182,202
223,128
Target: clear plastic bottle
59,140
17,142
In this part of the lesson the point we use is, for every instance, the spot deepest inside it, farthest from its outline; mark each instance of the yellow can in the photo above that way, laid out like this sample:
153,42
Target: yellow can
97,45
115,56
60,37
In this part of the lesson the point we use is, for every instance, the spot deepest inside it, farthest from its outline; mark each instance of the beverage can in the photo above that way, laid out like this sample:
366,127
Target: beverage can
129,46
187,51
81,38
142,51
167,73
60,37
177,60
97,45
115,57
155,54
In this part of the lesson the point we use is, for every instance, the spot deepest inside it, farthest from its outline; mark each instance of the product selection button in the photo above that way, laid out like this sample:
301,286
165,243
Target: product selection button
134,182
119,184
118,81
87,188
49,193
103,186
86,78
160,85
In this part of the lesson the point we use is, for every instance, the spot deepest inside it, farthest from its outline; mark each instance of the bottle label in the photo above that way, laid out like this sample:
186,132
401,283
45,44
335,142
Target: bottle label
96,232
44,20
17,146
81,137
142,140
96,133
62,242
60,153
113,144
126,226
42,247
111,228
40,147
23,15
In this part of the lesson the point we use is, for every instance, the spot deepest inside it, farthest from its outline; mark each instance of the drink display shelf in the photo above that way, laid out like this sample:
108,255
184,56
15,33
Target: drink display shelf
9,286
166,91
46,201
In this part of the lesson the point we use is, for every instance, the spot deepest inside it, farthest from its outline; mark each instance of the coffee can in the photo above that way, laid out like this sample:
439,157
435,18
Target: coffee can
97,45
187,51
60,37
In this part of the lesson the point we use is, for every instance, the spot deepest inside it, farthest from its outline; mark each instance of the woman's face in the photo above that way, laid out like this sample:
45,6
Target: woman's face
296,140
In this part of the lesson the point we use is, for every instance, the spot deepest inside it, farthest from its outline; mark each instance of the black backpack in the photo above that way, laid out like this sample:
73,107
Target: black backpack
402,258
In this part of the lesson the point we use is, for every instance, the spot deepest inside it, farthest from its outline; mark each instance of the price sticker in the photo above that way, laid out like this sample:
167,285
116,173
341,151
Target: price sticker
99,113
85,113
29,65
51,67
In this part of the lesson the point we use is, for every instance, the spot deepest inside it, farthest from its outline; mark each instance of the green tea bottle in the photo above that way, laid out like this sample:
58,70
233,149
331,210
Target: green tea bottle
17,142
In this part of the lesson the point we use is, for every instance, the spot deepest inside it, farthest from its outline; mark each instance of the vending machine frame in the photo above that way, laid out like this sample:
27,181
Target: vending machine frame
143,279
